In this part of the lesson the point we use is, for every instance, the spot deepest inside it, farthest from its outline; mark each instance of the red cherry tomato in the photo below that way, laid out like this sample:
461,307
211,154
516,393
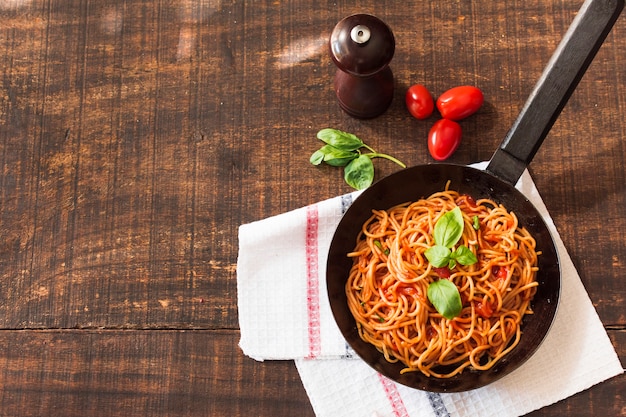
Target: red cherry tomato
419,101
459,102
500,272
443,272
484,309
409,291
443,139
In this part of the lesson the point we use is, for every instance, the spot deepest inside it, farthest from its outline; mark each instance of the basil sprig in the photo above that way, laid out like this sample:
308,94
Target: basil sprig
342,149
443,294
448,231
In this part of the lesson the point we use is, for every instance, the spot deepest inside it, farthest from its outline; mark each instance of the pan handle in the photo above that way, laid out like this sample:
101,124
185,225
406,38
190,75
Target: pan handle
558,81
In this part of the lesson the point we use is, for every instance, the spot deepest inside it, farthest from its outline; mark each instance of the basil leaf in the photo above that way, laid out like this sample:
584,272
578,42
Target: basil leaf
451,263
317,157
332,156
449,228
445,297
359,173
476,223
337,157
438,255
464,255
340,140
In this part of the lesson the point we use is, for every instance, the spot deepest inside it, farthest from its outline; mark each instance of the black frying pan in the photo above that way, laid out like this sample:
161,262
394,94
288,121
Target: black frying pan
561,76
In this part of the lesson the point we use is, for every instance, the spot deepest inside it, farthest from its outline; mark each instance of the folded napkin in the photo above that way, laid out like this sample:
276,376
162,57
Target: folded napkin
284,314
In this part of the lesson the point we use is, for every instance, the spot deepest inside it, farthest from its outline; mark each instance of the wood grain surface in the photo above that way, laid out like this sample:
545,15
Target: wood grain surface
137,135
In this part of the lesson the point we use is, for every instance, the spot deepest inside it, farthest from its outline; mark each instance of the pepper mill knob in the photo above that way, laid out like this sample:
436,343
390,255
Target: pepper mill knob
361,46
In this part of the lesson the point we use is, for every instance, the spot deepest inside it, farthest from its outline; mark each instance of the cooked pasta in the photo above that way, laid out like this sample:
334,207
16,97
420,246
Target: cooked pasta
388,283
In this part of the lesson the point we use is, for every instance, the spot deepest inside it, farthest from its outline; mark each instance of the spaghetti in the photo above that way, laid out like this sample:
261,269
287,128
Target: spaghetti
388,282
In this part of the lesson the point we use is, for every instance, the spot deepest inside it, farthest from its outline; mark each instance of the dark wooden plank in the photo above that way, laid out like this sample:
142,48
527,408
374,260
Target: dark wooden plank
181,373
160,373
109,202
146,132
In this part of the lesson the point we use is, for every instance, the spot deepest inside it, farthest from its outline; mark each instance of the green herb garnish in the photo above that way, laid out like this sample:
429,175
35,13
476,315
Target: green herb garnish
476,223
359,173
443,294
380,246
448,231
342,149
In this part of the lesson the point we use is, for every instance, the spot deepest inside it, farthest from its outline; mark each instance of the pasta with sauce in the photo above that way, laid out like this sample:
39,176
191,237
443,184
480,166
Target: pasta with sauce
390,275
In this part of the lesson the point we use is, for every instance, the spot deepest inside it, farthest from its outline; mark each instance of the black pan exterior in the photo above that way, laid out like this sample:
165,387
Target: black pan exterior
418,182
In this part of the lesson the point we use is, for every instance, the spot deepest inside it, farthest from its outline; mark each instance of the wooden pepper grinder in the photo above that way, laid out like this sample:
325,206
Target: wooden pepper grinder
361,46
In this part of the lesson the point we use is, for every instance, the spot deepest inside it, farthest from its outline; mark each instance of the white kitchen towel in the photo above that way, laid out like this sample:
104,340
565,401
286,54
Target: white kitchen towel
281,286
284,314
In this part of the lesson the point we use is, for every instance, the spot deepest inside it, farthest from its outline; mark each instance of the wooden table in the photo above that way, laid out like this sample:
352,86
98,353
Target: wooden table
137,135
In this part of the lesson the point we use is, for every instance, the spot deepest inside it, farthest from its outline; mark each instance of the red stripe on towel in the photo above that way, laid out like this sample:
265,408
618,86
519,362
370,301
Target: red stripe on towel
399,410
312,275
